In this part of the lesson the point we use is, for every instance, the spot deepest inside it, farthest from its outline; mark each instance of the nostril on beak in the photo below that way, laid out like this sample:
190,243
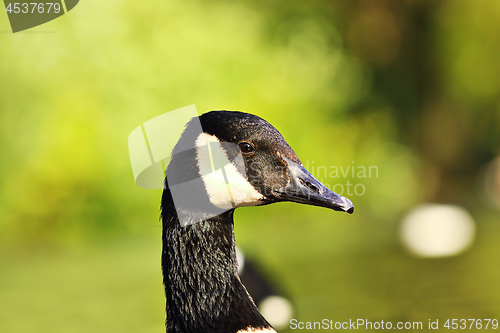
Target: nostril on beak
309,185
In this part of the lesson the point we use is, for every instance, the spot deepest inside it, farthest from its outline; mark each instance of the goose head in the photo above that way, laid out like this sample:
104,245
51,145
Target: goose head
239,160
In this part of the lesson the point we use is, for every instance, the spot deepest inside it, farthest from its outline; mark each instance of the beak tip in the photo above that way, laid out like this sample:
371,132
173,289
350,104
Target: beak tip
348,207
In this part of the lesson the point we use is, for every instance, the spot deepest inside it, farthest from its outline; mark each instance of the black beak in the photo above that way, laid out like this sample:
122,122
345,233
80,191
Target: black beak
304,188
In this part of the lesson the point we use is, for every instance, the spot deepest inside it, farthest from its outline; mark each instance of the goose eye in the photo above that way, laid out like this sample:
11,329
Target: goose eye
246,148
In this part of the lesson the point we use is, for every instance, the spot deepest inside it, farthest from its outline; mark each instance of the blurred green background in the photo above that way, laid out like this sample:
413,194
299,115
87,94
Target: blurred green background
411,87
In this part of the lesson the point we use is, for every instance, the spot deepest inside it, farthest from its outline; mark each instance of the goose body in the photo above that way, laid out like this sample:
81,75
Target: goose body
202,287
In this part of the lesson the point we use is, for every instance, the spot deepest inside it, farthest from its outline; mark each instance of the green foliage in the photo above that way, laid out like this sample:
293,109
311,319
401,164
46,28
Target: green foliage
69,107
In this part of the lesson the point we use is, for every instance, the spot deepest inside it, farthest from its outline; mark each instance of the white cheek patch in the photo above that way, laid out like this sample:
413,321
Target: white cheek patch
226,187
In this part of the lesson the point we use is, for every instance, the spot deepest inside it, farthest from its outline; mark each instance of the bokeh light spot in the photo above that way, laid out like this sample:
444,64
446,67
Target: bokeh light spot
277,310
437,230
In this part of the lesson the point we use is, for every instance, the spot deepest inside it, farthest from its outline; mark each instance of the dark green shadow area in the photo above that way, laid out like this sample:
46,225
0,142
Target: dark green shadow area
70,4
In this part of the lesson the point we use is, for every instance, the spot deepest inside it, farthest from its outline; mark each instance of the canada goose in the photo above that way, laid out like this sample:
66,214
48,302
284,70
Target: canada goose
202,287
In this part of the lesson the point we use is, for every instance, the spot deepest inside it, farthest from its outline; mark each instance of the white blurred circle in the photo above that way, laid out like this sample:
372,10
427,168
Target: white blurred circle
436,230
277,310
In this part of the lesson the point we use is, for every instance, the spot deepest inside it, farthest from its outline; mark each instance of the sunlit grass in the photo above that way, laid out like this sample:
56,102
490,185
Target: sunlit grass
115,285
